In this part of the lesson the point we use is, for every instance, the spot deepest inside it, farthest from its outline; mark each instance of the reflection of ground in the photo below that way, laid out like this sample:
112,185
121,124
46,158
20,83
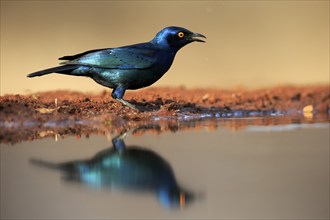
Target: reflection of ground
13,133
167,109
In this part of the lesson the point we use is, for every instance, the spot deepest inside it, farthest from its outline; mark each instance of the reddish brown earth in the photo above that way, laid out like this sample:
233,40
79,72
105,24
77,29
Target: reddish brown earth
39,115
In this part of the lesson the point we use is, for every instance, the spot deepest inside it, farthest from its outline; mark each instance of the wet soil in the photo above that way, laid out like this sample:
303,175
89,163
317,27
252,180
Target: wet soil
38,115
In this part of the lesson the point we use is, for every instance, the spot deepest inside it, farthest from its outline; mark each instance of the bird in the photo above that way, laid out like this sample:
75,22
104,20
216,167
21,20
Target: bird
126,168
128,67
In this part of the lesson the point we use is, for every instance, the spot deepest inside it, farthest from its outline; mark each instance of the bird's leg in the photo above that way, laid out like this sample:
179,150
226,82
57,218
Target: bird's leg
118,142
118,94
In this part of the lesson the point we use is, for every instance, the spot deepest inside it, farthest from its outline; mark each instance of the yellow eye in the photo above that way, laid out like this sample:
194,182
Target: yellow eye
180,34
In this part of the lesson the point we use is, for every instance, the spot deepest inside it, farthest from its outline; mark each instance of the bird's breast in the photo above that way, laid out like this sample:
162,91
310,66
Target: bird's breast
146,77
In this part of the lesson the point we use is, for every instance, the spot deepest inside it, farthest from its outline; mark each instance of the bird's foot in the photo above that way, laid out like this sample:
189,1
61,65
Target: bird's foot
126,103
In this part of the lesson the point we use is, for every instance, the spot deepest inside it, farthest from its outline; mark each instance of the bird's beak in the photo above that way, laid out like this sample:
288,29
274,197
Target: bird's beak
194,37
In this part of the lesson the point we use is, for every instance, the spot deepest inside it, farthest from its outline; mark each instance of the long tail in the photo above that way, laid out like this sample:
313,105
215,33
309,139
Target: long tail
66,166
46,164
59,69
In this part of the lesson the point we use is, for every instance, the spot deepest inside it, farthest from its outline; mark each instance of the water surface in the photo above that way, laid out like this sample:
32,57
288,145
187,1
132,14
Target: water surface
248,171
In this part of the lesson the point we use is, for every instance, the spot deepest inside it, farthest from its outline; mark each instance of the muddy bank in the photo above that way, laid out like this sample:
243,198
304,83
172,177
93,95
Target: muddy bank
26,117
163,102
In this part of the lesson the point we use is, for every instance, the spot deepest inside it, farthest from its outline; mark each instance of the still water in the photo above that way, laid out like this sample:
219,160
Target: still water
257,171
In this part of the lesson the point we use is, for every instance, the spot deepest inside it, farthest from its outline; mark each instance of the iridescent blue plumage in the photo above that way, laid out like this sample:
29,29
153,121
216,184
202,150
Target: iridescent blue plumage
129,67
131,169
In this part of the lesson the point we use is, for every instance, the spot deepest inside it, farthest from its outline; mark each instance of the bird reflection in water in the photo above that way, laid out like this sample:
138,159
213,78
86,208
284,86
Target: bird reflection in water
130,168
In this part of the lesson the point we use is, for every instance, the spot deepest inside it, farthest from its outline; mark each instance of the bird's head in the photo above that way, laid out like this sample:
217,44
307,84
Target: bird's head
176,37
175,198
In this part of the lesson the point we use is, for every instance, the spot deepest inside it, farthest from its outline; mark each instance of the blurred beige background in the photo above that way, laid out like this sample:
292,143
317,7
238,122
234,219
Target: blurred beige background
250,43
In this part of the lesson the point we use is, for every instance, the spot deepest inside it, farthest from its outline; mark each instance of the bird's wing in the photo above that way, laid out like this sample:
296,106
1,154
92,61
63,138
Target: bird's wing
140,56
76,56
